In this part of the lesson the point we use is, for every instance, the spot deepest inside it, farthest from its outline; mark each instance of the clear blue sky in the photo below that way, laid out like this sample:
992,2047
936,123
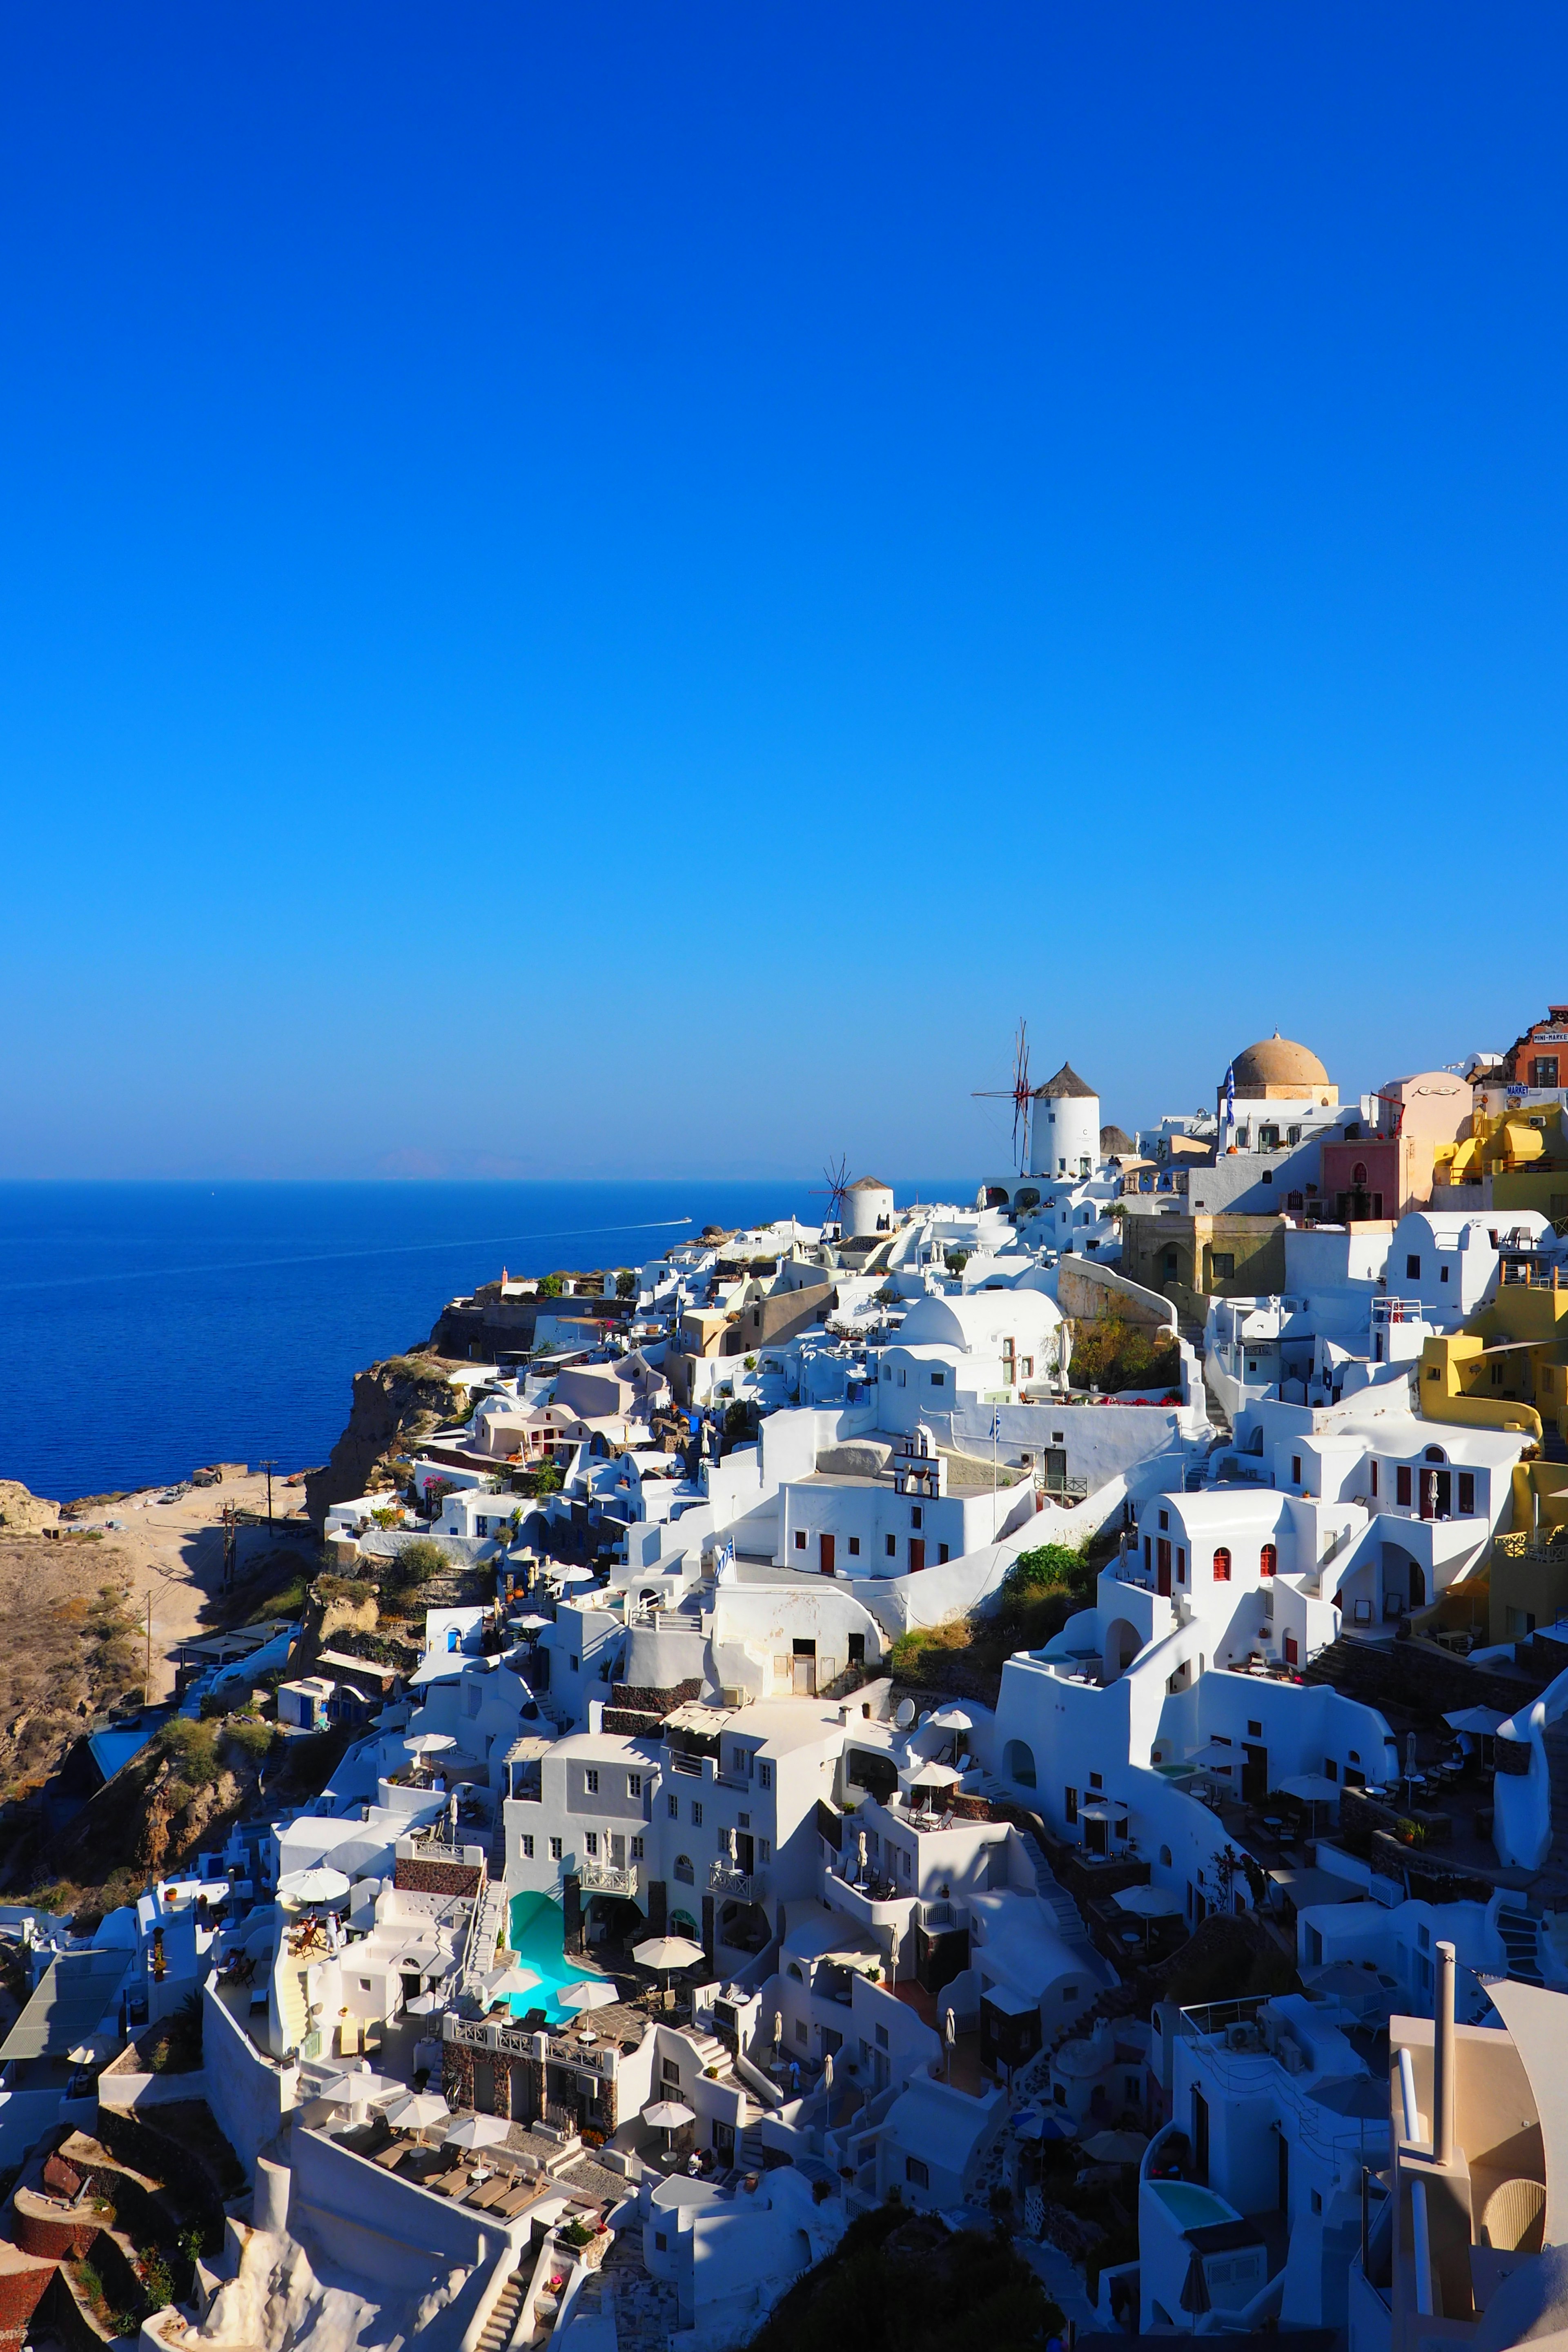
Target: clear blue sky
599,590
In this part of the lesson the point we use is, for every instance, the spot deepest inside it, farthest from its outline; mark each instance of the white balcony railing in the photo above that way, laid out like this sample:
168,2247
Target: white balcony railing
725,1878
608,1878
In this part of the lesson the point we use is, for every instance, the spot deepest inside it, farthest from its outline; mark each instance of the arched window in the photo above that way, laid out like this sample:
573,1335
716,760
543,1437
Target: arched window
1294,1201
1268,1560
684,1870
1435,1454
1221,1565
1358,1173
1165,1856
681,1923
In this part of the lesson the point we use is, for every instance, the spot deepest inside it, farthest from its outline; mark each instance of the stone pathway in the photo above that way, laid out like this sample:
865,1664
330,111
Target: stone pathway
644,2308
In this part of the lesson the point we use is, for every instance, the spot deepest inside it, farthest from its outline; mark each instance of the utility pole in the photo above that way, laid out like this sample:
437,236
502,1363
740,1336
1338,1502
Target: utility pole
270,1467
147,1678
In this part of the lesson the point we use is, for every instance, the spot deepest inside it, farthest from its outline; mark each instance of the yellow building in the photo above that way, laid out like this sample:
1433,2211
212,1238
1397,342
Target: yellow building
1509,1370
1518,1159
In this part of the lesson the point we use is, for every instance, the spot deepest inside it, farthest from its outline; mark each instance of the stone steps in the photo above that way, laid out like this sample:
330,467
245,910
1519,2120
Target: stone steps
496,2333
1522,1943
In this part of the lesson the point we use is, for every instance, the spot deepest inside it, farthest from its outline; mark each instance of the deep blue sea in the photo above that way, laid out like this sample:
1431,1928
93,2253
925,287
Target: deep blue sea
147,1328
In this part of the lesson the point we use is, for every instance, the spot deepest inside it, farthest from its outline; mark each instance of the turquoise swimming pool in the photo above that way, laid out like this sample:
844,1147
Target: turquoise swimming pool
538,1935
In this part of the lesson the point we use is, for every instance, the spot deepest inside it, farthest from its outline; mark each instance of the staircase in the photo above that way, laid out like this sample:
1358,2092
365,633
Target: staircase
1055,1901
750,2154
489,1925
1522,1941
496,2333
710,2050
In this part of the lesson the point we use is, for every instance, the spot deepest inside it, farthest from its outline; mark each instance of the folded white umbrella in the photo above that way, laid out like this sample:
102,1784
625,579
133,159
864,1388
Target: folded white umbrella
477,2131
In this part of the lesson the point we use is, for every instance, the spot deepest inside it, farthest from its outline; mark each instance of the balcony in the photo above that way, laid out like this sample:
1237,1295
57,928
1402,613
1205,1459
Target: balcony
608,1878
739,1885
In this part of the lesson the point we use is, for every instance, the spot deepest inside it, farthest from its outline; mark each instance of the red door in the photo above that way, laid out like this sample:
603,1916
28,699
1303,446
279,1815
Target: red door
825,1544
1162,1563
917,1553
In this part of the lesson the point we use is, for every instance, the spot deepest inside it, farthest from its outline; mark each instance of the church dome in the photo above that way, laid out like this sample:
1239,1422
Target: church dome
1278,1065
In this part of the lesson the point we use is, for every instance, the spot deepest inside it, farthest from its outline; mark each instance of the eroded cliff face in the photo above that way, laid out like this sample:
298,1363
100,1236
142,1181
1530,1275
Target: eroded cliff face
395,1405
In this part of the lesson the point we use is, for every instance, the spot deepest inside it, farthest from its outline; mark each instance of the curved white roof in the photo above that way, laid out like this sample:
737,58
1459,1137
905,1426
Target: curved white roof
979,1319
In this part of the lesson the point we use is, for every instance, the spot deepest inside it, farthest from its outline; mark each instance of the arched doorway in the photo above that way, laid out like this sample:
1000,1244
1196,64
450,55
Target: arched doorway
1019,1763
1123,1643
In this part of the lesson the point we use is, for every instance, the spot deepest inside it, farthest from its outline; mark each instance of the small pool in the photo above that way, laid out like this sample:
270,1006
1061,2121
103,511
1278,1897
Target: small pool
1189,2205
538,1935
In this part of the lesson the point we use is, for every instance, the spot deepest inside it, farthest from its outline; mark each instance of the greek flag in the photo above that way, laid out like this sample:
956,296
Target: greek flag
996,1423
724,1556
1230,1097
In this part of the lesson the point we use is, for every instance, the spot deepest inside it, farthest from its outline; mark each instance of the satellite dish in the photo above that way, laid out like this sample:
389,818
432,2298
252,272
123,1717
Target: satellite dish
905,1715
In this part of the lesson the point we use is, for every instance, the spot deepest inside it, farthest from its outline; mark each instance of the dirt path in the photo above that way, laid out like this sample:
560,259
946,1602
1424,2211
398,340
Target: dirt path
171,1554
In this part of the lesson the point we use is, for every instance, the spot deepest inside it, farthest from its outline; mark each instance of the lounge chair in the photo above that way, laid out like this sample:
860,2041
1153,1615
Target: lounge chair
490,2192
516,2201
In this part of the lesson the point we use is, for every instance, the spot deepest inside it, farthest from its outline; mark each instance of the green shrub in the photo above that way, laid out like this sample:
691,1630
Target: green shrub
552,1286
626,1284
191,1751
251,1736
415,1564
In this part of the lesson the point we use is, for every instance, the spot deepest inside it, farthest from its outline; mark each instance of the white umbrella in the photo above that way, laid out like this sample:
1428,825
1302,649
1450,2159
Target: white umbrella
517,1978
1148,1902
668,2115
663,1954
778,2029
429,1743
530,1622
424,2005
588,1993
827,2070
320,1885
477,2131
572,1575
950,2027
418,2110
952,1719
1315,1788
357,2086
933,1776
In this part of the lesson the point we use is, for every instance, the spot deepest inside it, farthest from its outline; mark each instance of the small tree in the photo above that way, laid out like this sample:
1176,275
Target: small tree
552,1286
626,1284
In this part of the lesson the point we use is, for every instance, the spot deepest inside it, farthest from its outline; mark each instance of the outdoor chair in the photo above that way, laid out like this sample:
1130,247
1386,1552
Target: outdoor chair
516,2201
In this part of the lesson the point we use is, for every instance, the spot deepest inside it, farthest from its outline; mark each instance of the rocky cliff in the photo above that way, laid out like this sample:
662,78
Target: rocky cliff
395,1405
